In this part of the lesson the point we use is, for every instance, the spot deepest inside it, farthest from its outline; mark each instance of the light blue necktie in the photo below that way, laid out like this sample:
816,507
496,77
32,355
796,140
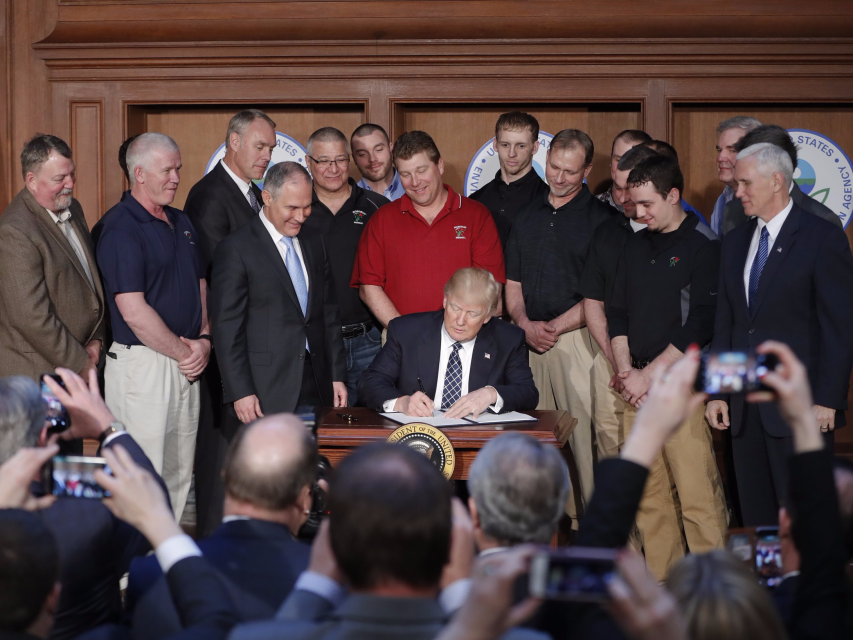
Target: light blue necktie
452,379
297,277
757,267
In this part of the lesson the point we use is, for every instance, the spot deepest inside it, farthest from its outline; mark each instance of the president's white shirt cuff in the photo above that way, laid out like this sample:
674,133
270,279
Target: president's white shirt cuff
112,437
454,595
320,585
175,549
388,405
499,403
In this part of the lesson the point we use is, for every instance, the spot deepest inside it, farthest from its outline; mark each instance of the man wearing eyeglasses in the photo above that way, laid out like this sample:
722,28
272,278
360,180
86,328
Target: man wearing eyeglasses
339,210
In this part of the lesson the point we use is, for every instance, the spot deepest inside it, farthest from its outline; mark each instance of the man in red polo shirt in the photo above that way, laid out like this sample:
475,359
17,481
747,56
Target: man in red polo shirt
412,246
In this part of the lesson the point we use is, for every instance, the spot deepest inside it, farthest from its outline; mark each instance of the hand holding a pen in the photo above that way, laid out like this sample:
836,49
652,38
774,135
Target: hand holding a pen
419,404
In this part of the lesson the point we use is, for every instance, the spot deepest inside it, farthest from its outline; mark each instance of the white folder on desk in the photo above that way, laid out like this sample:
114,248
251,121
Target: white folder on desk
438,419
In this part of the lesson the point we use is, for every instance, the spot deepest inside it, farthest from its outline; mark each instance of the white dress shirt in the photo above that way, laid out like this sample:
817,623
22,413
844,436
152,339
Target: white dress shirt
282,248
773,228
241,184
465,355
61,221
636,226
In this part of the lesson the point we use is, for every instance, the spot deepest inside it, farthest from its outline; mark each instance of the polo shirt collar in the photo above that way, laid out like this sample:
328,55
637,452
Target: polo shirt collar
349,205
141,214
523,181
580,201
663,241
454,202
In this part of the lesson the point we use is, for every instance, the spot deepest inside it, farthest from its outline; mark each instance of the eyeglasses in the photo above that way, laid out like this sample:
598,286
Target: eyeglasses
324,164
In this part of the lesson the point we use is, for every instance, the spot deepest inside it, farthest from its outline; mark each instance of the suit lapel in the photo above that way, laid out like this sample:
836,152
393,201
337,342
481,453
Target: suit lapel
739,264
429,352
81,227
309,255
237,198
266,246
481,361
778,254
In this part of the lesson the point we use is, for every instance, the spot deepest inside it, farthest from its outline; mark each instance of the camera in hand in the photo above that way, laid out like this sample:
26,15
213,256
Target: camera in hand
768,556
57,416
731,372
311,418
575,573
74,477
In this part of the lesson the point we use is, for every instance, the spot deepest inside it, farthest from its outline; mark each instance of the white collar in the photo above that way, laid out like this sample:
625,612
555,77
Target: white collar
275,233
242,184
488,552
778,220
64,215
448,341
235,518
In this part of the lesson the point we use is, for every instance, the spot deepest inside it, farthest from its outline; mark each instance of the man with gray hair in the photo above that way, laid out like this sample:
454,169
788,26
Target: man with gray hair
276,322
729,131
157,295
785,275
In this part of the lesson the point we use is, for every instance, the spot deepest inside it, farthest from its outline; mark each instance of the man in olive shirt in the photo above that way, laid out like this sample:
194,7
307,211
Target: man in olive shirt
545,259
339,210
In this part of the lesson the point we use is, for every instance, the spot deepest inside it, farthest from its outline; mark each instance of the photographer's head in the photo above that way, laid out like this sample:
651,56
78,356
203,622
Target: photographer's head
269,471
390,521
519,487
29,566
22,415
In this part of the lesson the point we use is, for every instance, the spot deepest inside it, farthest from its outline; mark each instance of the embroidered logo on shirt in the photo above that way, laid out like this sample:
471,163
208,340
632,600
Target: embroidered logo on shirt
359,217
673,261
460,232
189,237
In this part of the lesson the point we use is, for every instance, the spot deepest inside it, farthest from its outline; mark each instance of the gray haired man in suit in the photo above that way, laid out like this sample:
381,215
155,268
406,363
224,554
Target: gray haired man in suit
51,298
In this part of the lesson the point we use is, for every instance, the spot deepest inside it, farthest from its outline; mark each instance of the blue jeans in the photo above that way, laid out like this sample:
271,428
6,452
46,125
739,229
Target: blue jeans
360,353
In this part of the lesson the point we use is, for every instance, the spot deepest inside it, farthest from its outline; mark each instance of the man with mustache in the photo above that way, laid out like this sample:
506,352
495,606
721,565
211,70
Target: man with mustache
51,299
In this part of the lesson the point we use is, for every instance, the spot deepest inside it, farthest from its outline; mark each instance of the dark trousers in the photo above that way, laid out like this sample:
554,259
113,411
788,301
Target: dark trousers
309,394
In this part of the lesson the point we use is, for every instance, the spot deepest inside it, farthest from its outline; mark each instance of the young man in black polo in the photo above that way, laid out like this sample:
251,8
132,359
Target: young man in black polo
663,301
339,210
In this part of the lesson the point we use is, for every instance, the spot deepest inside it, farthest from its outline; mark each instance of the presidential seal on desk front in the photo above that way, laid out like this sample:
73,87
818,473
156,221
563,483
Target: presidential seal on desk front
430,442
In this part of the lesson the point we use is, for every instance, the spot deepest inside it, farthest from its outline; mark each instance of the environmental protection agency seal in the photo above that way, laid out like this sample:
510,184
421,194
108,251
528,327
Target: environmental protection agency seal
824,172
485,164
286,149
430,442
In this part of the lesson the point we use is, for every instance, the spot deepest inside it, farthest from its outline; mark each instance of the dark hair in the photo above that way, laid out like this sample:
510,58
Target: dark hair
570,139
635,156
845,503
663,148
517,121
390,517
631,135
412,143
274,490
29,565
122,155
366,129
661,172
37,150
772,133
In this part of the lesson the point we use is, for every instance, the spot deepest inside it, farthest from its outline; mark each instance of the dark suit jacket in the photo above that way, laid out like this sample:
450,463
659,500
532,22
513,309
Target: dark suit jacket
95,551
500,360
258,327
805,299
48,309
217,208
258,562
734,215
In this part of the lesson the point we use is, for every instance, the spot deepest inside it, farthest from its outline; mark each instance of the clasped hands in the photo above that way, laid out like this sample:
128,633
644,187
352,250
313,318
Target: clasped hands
420,405
632,385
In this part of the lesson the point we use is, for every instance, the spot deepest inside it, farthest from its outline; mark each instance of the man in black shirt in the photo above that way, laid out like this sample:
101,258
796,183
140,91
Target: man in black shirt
545,259
339,210
517,184
622,143
596,287
664,300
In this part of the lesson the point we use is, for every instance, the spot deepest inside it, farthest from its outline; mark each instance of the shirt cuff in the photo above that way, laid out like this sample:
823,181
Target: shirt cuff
454,596
112,437
388,405
499,403
320,585
175,549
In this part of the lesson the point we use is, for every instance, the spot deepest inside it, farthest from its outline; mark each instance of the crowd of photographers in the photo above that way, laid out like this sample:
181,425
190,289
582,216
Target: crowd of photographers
399,556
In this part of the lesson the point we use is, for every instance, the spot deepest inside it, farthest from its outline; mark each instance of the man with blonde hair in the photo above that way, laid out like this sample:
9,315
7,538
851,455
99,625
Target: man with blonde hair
460,360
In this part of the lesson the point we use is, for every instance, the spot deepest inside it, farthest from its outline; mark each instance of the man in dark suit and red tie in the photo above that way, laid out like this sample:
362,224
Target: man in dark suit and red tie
786,275
460,360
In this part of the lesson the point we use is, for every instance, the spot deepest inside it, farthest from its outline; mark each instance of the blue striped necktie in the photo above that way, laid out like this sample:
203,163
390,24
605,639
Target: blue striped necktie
757,267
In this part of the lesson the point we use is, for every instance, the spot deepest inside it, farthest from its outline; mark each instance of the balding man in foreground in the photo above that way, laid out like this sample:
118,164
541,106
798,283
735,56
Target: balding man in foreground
268,475
157,294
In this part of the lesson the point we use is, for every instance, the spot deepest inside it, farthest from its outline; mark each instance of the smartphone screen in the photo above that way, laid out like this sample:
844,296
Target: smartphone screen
733,371
74,477
578,574
57,415
768,556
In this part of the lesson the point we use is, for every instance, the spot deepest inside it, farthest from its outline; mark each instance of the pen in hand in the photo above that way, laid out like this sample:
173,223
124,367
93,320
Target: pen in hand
421,385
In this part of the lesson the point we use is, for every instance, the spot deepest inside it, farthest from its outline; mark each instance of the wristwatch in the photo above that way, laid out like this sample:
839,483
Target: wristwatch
115,427
205,336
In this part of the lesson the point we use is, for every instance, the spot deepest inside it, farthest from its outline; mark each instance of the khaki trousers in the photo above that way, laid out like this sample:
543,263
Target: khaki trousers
686,463
159,407
608,410
563,377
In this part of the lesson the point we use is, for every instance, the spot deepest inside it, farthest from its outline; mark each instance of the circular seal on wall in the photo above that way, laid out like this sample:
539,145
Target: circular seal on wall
485,163
428,441
824,172
286,149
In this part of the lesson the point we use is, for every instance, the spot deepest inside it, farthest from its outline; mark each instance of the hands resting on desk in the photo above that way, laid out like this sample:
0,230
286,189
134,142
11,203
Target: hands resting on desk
474,403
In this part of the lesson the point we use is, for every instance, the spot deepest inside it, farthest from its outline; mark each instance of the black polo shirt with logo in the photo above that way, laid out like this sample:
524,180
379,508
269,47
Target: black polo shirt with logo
666,289
547,253
506,201
341,233
599,274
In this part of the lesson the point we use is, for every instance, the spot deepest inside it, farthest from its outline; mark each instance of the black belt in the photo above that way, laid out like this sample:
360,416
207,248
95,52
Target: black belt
356,330
640,364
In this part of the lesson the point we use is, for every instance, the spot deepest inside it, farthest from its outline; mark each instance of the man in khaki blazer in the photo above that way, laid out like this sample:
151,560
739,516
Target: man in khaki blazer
51,298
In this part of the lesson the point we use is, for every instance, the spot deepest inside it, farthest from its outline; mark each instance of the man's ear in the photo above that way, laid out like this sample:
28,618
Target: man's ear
472,509
305,500
441,166
266,196
784,522
674,196
234,141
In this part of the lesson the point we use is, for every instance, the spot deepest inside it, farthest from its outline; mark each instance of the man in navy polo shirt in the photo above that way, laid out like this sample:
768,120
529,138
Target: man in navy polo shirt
157,295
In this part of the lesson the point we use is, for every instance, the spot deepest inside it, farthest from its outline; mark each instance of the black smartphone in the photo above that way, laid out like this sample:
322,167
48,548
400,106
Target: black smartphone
56,416
768,556
74,477
575,573
731,372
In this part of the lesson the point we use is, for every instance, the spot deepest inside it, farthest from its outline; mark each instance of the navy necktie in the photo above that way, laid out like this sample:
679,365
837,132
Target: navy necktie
253,200
452,390
757,267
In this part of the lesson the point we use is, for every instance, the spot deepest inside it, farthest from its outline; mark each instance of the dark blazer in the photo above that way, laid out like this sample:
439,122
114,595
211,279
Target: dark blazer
500,360
805,299
258,562
95,551
734,215
258,328
217,208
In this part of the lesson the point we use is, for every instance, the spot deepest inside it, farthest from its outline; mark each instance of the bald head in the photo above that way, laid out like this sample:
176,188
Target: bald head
270,462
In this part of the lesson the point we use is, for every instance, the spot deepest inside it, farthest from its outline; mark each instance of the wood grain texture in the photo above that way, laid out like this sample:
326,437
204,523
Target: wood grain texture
87,147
